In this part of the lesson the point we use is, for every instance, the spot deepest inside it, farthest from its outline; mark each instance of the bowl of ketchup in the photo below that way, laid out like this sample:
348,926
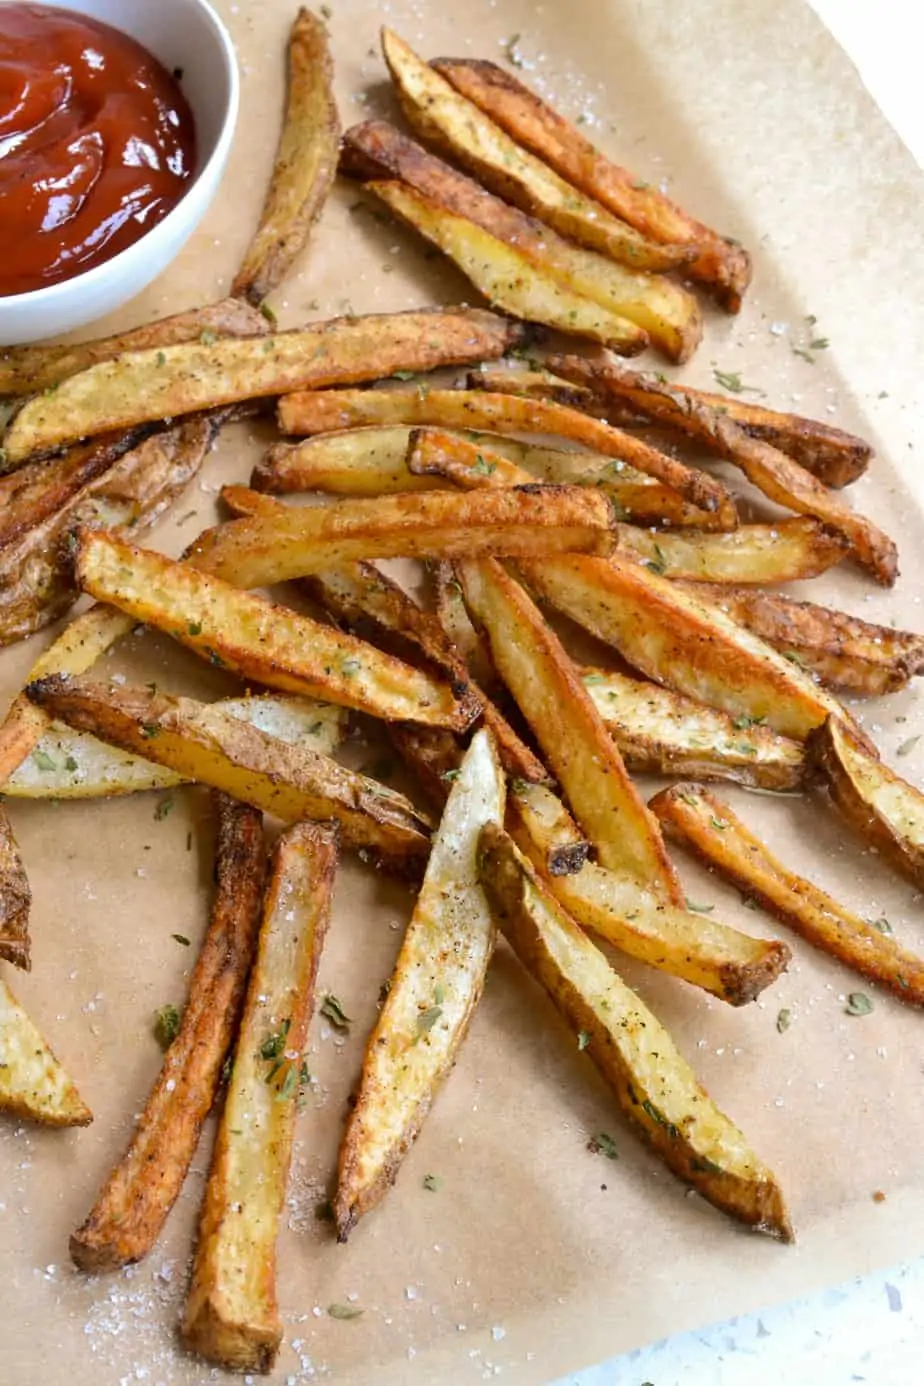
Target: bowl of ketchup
116,120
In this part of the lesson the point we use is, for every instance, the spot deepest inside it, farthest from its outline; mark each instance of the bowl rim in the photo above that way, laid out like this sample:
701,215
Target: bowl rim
47,296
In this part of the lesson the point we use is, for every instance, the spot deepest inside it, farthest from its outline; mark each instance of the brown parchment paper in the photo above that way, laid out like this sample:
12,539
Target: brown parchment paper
534,1256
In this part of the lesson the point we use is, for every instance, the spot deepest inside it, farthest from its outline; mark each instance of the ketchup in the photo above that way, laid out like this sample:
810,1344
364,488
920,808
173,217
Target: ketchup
97,144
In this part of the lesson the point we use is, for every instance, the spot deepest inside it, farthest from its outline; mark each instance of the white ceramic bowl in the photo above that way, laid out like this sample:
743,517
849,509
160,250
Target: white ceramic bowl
184,34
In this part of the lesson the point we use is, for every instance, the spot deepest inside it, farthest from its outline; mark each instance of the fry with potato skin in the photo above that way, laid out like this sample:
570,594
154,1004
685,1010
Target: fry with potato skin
203,743
15,900
720,263
691,816
435,988
654,1086
305,164
33,1084
135,1201
232,1315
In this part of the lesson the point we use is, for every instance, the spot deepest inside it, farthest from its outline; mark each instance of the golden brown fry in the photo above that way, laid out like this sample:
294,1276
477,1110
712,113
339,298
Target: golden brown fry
318,412
571,733
156,384
435,988
27,370
32,1082
15,900
295,541
885,811
706,826
532,382
268,644
515,283
546,831
720,262
135,1201
201,742
840,650
39,490
654,1086
306,161
660,732
762,553
452,614
232,1316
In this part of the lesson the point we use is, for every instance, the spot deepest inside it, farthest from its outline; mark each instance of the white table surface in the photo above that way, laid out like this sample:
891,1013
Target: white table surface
870,1329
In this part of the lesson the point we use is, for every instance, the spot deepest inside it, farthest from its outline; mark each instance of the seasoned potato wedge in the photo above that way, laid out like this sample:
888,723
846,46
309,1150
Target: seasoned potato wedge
783,552
654,1086
885,811
452,614
30,369
232,1316
531,382
571,733
306,161
38,490
133,1204
435,987
696,948
15,900
720,262
202,743
32,1082
317,412
840,650
706,826
268,644
660,732
157,384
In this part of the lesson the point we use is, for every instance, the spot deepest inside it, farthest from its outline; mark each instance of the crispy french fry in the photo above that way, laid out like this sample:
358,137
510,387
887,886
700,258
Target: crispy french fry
435,987
702,823
885,811
532,382
266,643
654,1086
30,369
571,733
720,262
306,161
660,732
295,541
320,411
783,480
514,283
15,900
205,744
696,948
452,614
135,1201
32,1082
232,1315
74,765
840,650
762,553
39,490
157,384
833,456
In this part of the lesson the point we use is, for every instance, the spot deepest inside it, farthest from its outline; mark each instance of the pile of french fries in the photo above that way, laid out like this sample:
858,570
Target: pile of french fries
524,490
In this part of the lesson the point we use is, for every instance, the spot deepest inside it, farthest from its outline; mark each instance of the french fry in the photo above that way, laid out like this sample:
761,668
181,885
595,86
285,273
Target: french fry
268,644
317,412
32,1082
435,987
39,490
833,456
706,826
885,811
75,765
296,541
787,551
682,943
531,382
571,733
232,1315
15,900
513,282
135,1201
653,1085
840,650
720,262
455,126
780,478
205,744
31,369
660,732
452,614
138,386
306,161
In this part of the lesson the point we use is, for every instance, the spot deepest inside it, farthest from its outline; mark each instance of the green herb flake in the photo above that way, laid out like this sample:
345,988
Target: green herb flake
344,1311
512,50
275,1044
432,1182
584,1038
908,746
794,657
207,337
450,775
750,903
699,909
482,466
427,1019
602,1144
589,680
161,358
731,381
783,1020
287,1088
166,1025
701,1164
742,723
688,799
858,1003
717,823
326,11
71,764
819,344
882,924
641,185
659,1118
350,667
332,1010
149,730
806,355
658,564
194,628
267,312
403,375
180,938
164,807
